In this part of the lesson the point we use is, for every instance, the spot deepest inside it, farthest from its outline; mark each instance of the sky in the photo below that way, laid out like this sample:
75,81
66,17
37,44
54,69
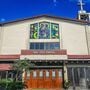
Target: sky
18,9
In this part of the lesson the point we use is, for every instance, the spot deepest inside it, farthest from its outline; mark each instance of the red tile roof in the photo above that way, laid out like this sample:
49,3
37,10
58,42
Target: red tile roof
9,56
5,67
78,56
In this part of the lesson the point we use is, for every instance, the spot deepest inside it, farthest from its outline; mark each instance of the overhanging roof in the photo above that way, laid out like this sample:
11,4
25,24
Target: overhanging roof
5,67
9,57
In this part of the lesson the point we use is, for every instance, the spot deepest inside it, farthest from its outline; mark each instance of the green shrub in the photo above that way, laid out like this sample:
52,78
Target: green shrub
12,85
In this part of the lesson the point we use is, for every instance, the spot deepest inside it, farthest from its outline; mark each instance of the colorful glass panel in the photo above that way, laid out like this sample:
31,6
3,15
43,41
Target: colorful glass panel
44,30
34,31
54,31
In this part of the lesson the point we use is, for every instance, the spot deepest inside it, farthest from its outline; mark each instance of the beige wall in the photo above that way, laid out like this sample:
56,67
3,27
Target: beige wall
0,37
88,36
74,38
16,37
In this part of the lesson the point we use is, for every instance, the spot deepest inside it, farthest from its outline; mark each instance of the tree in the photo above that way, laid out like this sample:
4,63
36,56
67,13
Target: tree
20,66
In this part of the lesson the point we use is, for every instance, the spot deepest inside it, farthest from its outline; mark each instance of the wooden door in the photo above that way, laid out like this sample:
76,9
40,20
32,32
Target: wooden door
40,82
45,78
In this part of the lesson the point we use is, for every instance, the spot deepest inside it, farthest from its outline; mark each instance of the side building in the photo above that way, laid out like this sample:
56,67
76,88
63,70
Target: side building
59,48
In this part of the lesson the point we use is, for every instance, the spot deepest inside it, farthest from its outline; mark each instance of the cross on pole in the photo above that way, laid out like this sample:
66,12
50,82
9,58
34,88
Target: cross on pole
81,4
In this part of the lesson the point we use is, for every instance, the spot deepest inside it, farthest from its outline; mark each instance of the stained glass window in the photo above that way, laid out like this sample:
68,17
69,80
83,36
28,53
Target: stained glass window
34,31
44,30
54,31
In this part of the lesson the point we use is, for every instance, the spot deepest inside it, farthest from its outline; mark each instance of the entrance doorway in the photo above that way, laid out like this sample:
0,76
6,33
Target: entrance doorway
44,78
79,77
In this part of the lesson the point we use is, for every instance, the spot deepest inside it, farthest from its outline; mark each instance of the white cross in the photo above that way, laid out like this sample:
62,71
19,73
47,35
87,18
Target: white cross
81,4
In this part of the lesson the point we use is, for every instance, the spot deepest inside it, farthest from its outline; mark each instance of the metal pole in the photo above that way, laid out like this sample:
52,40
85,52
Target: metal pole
85,77
79,75
73,79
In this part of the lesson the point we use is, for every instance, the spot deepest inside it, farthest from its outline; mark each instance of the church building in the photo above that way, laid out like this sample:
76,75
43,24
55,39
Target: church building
59,48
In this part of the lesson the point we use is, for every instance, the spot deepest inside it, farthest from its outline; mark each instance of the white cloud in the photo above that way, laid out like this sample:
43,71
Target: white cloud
2,19
55,2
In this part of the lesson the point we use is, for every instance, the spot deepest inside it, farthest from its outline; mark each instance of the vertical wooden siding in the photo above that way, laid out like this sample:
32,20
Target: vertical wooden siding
44,82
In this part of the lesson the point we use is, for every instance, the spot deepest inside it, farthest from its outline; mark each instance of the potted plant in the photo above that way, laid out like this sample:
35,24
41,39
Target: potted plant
66,84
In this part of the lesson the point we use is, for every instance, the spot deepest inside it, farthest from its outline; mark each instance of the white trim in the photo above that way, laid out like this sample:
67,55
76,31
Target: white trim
41,74
78,65
60,73
43,40
47,73
44,57
34,73
53,73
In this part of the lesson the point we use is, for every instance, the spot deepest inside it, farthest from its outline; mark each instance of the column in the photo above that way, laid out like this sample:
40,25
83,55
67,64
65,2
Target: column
23,75
85,76
6,75
65,73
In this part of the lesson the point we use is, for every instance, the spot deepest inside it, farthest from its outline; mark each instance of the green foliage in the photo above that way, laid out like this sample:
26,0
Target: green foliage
12,85
66,84
16,85
19,65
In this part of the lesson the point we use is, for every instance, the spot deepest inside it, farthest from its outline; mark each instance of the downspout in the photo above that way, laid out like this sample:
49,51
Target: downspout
1,38
87,40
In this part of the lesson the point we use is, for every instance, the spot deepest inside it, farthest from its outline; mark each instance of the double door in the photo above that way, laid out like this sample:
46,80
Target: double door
44,78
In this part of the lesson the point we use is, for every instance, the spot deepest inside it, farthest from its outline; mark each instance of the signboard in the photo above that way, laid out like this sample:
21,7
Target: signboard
43,52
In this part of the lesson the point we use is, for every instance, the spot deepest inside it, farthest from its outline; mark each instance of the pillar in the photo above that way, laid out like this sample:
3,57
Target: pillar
23,75
65,73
